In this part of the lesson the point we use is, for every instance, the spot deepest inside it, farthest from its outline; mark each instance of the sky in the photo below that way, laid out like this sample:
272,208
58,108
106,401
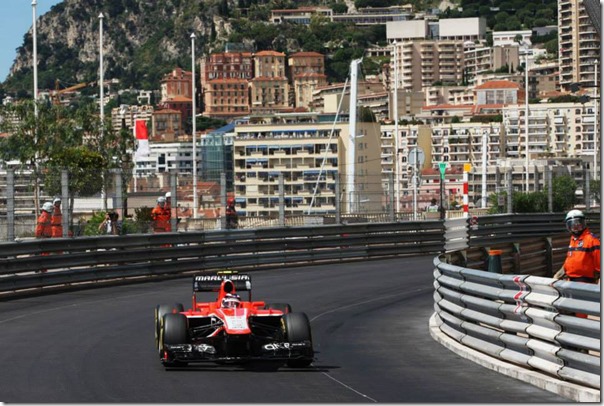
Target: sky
15,20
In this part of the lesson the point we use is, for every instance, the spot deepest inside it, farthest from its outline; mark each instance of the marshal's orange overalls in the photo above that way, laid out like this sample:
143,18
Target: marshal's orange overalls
161,219
57,222
43,226
583,257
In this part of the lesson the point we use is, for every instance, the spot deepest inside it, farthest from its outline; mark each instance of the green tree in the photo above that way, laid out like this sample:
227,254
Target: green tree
366,115
529,202
563,198
594,190
36,132
563,192
82,164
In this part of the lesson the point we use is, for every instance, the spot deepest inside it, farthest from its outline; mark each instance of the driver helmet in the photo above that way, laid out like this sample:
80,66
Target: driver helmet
161,201
575,221
231,301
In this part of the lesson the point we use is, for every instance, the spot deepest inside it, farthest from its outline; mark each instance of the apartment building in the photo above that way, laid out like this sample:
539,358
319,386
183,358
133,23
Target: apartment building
579,45
460,143
502,38
470,29
423,63
166,126
309,150
163,157
269,88
302,15
564,130
544,80
375,15
452,95
177,94
498,92
361,16
224,81
125,115
480,60
306,73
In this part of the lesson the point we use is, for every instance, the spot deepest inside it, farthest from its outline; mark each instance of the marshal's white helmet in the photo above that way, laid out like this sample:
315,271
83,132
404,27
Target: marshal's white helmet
168,195
575,221
56,200
48,206
161,200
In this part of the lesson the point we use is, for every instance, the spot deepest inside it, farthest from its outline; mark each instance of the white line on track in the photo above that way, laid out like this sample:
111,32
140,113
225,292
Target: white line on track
349,388
72,305
353,305
367,301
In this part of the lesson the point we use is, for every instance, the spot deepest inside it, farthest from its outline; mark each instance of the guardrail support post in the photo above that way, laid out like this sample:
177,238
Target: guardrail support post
510,186
549,258
65,220
281,201
119,200
173,201
391,199
10,204
550,199
495,261
223,200
338,201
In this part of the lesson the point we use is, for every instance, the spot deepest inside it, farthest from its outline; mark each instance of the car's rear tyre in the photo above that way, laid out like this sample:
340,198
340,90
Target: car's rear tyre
283,307
296,327
160,312
173,331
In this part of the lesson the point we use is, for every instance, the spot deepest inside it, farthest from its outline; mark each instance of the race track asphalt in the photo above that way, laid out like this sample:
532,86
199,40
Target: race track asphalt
370,324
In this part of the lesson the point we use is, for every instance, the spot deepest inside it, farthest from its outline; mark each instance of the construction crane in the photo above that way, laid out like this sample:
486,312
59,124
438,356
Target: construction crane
56,94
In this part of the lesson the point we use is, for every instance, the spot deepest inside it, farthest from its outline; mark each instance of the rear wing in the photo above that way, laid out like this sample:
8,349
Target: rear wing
211,283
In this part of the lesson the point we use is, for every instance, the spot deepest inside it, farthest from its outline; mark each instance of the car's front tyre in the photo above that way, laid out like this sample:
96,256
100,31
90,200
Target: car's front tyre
296,328
160,311
173,331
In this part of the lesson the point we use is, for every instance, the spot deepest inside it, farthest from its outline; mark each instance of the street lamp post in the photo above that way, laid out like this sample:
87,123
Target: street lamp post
526,118
397,169
194,126
34,3
102,102
484,168
595,170
101,79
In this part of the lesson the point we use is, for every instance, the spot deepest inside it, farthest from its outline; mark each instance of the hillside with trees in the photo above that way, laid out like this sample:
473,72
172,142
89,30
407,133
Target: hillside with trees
143,40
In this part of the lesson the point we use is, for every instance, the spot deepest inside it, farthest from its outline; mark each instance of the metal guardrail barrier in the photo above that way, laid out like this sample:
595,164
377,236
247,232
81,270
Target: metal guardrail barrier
36,266
523,319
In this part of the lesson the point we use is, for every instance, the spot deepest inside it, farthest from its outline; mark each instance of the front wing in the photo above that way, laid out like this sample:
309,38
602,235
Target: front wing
273,351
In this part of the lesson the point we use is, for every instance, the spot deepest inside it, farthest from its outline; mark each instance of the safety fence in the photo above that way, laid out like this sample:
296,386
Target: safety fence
531,321
276,204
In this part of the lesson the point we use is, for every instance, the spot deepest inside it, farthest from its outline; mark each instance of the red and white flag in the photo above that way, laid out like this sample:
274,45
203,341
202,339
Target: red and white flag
142,136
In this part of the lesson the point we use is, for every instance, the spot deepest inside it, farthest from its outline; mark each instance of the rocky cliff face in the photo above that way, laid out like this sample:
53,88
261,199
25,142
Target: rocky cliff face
150,33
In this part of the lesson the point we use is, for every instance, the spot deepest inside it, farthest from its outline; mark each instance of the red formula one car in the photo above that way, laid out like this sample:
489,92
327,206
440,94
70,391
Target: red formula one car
230,329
